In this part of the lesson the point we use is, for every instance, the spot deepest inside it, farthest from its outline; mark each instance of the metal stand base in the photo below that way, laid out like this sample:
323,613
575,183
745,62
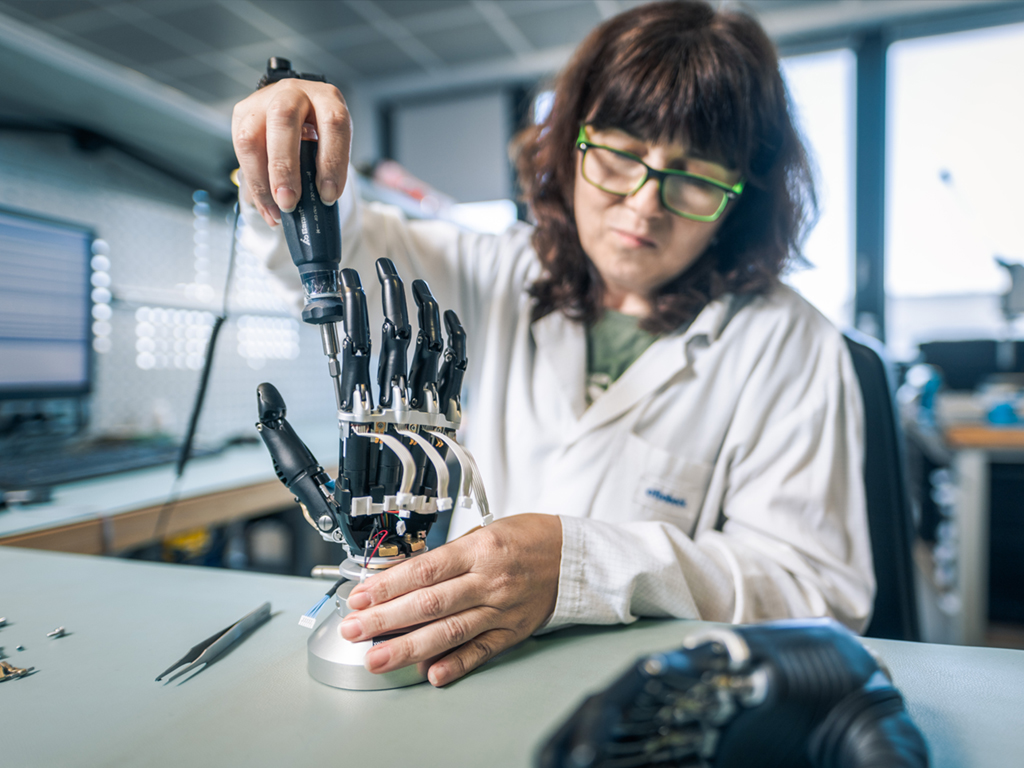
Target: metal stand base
335,661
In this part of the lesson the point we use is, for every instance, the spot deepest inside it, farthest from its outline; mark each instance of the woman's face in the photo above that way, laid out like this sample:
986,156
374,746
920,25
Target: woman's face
635,243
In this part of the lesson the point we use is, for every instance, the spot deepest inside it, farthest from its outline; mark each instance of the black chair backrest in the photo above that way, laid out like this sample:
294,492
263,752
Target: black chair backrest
889,512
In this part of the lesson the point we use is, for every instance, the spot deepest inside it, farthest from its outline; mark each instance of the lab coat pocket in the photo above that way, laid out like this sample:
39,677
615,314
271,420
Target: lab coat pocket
664,486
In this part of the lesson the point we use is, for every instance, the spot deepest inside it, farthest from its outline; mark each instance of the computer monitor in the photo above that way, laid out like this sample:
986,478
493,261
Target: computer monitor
45,307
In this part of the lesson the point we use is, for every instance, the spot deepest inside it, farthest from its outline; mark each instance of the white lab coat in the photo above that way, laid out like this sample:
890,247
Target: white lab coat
719,478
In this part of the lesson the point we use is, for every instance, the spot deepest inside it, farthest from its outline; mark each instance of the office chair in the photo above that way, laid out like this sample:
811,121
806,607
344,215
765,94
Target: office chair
888,502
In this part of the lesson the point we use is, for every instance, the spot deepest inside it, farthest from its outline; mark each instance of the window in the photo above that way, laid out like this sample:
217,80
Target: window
953,199
822,90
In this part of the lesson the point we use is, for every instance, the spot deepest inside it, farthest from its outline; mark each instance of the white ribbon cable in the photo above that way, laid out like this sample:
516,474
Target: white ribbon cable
478,490
460,455
403,454
470,474
435,458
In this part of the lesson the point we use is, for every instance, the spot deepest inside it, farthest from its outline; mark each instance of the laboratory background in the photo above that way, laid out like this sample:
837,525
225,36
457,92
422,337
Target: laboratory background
121,261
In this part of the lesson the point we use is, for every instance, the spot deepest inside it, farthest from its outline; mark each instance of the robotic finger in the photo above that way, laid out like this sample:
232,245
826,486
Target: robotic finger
429,344
453,369
395,336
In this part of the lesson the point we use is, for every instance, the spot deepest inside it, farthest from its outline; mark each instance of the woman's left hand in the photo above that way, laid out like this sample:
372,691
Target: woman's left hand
475,597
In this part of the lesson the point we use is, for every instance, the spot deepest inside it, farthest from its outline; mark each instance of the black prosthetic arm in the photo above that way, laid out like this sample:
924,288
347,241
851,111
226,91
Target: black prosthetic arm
794,694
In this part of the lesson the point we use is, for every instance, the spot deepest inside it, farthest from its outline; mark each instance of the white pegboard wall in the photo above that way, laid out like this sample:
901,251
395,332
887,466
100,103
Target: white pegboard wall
148,221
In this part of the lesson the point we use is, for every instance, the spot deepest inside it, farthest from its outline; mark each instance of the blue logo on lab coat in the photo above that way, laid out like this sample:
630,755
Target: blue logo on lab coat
654,493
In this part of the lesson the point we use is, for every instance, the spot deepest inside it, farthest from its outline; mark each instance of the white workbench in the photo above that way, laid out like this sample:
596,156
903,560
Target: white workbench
94,702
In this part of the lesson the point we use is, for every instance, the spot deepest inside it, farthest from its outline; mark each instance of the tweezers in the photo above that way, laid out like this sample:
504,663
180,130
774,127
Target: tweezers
214,646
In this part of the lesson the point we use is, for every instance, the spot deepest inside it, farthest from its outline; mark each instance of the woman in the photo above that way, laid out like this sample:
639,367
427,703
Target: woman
663,428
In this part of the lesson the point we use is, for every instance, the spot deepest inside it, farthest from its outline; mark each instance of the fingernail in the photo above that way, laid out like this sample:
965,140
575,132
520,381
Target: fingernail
328,192
359,601
286,198
377,657
435,678
275,213
351,629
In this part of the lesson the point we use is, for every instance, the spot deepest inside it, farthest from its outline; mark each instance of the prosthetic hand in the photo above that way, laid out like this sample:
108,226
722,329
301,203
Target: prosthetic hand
393,476
794,694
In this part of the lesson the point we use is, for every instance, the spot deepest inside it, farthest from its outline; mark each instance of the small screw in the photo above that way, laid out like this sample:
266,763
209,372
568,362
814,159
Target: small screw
58,632
20,648
3,621
654,667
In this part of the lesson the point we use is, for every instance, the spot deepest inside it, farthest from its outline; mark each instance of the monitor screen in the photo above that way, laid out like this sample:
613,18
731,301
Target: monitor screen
45,307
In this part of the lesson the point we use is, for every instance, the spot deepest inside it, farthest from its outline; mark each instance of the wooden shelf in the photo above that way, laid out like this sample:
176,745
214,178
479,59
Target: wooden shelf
115,533
985,436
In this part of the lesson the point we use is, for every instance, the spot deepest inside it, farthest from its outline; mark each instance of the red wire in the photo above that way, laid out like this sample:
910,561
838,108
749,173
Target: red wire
379,540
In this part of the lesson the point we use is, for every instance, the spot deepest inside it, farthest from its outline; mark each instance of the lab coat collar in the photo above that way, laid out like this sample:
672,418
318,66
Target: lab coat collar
562,343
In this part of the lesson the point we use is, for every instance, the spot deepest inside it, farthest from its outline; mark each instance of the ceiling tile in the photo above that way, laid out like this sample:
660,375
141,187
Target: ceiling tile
212,87
560,26
131,44
456,46
400,8
51,9
311,15
340,38
379,59
515,8
214,26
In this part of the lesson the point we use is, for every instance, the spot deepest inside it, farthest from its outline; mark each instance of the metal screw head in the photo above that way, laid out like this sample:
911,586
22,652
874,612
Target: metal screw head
654,666
20,648
325,522
3,621
582,755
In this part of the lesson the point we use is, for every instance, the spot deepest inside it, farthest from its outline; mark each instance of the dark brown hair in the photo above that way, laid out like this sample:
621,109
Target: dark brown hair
672,71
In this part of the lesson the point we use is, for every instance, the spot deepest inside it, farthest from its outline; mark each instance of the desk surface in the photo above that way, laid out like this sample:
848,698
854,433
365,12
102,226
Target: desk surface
94,701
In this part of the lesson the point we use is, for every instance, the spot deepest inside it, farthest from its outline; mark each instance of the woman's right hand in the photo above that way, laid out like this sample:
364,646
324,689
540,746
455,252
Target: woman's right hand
266,129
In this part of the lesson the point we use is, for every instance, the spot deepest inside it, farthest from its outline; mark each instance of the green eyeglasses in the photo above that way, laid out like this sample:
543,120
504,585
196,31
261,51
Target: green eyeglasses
683,193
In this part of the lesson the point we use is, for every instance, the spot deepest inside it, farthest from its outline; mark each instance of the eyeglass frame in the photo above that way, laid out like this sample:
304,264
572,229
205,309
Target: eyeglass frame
583,143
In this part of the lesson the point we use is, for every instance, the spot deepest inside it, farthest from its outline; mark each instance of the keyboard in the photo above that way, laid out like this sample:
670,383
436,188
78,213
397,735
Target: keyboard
68,464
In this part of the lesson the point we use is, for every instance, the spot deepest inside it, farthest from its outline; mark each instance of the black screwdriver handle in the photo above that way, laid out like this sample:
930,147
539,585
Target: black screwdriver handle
313,234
